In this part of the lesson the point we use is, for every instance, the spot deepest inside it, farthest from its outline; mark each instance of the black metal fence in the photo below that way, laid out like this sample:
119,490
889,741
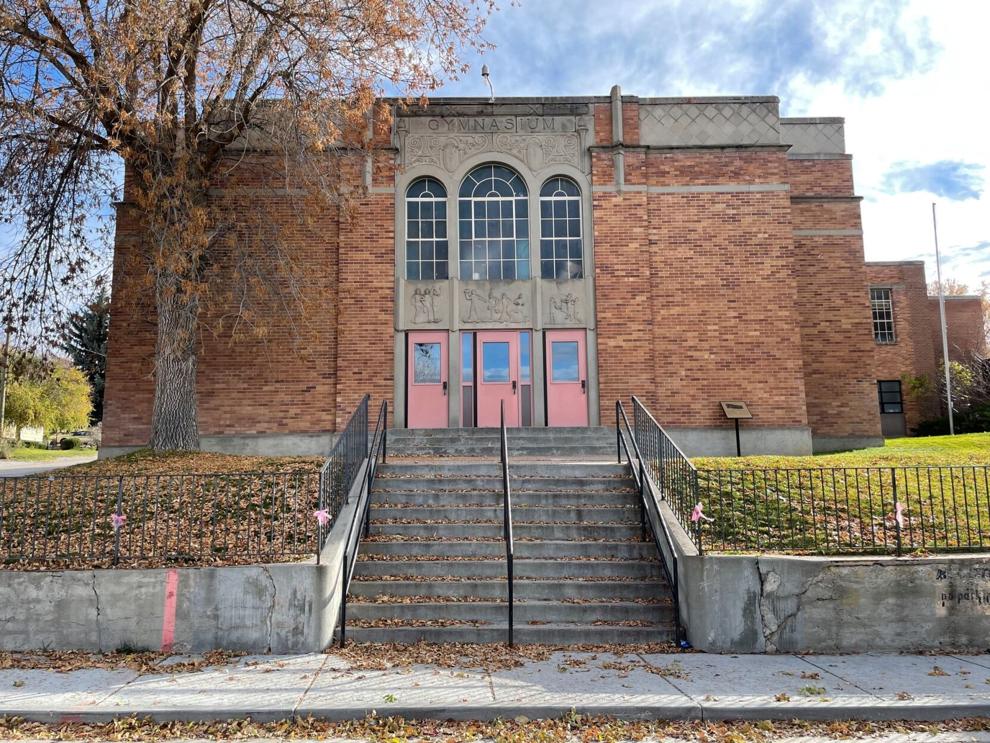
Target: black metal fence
77,521
838,510
82,521
862,510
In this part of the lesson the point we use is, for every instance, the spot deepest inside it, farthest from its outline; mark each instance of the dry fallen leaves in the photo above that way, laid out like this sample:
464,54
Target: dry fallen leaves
571,727
144,662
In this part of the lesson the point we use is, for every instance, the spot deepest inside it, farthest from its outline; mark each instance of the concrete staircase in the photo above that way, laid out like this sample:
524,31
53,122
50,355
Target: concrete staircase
433,566
589,444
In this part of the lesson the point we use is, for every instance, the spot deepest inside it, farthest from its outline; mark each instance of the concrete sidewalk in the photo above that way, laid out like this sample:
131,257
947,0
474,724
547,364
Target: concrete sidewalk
672,686
18,468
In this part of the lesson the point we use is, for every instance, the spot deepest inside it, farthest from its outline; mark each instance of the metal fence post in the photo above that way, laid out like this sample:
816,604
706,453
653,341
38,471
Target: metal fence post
117,525
897,520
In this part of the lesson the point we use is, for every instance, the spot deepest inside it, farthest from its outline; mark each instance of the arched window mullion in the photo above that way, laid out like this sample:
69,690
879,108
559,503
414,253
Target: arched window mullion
493,220
426,230
561,230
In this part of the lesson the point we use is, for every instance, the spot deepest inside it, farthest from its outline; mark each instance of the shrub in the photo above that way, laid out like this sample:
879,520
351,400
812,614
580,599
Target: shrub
70,442
5,449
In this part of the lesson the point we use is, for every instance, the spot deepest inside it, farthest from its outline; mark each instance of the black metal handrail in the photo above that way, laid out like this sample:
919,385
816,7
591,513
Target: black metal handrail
671,470
379,445
646,494
507,512
339,471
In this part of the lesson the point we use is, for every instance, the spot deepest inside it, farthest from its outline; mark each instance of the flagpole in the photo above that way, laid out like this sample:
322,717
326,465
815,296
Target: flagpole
941,315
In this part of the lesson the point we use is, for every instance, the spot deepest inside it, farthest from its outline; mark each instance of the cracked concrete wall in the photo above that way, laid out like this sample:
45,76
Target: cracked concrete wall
276,608
753,604
257,608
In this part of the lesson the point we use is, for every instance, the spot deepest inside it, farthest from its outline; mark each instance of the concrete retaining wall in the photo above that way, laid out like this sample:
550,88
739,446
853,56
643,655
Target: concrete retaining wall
774,603
278,608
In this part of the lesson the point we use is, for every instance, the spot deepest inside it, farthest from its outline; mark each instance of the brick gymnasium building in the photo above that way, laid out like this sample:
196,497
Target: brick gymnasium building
560,253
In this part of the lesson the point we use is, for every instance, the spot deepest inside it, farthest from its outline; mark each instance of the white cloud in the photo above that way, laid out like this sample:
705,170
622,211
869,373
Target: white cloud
911,77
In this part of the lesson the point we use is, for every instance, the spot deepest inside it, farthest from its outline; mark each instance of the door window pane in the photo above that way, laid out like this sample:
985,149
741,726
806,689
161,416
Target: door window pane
495,358
426,367
564,360
467,357
890,396
524,355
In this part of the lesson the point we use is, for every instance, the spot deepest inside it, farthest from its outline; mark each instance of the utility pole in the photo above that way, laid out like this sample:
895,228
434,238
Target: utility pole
941,315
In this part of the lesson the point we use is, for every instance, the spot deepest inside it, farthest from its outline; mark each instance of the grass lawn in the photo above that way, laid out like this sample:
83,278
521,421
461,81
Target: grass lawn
970,448
30,454
184,508
847,502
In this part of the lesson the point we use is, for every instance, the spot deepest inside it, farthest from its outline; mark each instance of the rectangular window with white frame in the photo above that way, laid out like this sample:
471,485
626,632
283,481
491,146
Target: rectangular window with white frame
882,304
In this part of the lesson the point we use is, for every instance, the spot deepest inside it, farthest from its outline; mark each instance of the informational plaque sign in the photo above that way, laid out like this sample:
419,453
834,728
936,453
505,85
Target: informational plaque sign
735,410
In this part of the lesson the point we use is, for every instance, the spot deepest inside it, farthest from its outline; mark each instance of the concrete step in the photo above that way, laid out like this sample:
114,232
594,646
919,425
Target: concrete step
543,634
541,549
495,484
496,611
494,469
495,589
542,433
607,532
554,570
520,513
434,497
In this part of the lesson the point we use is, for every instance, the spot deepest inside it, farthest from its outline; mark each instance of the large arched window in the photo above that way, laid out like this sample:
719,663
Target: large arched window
560,229
426,230
494,225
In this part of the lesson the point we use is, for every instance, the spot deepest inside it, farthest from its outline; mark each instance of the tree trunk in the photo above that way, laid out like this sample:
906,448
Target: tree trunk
174,420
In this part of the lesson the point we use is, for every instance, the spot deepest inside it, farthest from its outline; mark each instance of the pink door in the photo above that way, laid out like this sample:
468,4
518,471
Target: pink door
498,377
427,380
567,378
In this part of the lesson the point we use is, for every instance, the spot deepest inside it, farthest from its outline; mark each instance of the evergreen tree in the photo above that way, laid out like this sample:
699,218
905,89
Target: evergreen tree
85,340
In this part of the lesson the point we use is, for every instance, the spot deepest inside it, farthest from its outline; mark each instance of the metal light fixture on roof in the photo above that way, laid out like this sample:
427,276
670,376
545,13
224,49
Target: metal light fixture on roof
484,74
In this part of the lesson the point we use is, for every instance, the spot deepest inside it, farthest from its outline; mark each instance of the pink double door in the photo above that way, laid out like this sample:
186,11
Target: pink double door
498,365
566,378
498,377
426,372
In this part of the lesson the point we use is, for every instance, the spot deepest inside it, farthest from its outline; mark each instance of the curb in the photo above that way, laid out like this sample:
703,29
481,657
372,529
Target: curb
936,711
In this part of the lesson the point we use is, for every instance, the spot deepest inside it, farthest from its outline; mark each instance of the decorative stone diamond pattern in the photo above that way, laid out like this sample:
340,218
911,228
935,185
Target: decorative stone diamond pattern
813,138
708,124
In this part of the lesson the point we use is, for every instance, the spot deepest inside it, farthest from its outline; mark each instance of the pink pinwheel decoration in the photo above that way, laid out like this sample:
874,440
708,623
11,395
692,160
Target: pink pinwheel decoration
118,520
698,514
323,516
899,514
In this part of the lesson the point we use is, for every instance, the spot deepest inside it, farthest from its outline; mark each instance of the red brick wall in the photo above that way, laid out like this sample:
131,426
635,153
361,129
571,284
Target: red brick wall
130,355
833,300
912,352
695,291
965,322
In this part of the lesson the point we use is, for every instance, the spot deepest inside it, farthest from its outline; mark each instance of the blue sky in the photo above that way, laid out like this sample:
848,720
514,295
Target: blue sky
912,78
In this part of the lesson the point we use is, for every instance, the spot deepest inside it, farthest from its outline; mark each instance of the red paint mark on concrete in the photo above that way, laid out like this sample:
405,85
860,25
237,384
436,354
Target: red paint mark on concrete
168,617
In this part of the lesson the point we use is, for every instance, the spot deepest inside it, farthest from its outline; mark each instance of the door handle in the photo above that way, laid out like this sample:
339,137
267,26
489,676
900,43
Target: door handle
584,387
445,388
513,386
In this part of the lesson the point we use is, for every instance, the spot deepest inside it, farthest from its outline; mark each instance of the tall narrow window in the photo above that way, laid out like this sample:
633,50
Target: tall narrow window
426,230
494,225
889,392
883,315
560,230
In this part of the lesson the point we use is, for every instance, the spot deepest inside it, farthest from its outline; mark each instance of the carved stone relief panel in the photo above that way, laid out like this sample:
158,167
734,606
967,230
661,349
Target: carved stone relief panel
565,304
540,142
426,305
495,303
